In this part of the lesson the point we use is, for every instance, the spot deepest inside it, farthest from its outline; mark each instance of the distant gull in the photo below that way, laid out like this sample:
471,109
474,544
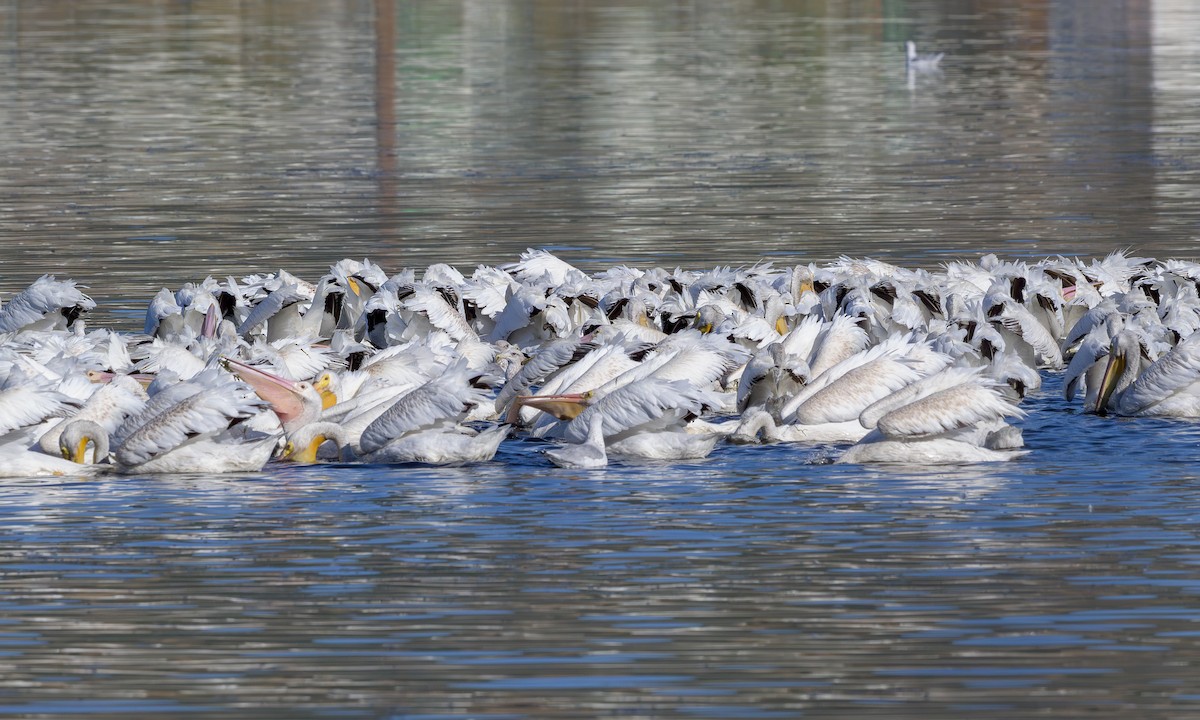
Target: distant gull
921,62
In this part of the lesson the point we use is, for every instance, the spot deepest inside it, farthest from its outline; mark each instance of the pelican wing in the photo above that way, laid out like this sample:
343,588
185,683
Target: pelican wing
158,403
447,398
1093,348
839,340
801,339
301,358
488,289
209,410
960,406
650,403
755,372
441,315
539,265
702,360
177,358
922,388
845,398
270,306
24,405
162,305
1018,320
43,296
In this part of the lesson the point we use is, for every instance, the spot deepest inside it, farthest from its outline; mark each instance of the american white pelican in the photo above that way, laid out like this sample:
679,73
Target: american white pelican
424,425
1168,387
47,304
196,426
109,405
948,418
19,457
304,444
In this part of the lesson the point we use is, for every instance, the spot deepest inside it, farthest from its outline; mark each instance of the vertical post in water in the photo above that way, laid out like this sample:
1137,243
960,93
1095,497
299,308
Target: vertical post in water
385,113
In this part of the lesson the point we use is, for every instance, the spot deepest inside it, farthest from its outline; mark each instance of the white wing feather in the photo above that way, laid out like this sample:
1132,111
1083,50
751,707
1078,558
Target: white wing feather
648,402
961,406
924,387
444,399
270,306
1021,322
45,295
209,410
441,315
845,398
25,405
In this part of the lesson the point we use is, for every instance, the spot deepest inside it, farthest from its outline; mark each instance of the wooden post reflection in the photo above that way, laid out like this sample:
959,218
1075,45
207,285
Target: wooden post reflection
385,112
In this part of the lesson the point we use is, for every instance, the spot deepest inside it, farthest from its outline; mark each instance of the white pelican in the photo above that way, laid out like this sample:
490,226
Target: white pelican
19,457
47,304
948,418
424,425
1168,387
303,445
109,405
196,426
643,419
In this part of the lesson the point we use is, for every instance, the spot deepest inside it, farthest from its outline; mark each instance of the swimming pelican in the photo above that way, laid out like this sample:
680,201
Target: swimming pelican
303,445
424,425
1168,387
47,304
109,405
19,457
196,426
954,416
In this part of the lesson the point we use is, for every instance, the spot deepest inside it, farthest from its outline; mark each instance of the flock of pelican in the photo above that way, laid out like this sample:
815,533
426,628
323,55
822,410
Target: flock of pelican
897,365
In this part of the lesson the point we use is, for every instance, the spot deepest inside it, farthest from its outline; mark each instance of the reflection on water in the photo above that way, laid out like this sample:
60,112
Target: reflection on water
146,142
150,143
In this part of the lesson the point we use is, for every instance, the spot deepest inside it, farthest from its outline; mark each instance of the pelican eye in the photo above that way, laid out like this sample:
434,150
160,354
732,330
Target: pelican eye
288,449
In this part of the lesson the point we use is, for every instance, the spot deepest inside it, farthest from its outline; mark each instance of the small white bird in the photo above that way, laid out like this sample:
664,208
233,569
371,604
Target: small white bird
921,62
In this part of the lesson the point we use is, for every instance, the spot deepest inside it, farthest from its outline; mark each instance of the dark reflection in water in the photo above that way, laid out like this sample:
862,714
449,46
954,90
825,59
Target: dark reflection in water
147,143
150,143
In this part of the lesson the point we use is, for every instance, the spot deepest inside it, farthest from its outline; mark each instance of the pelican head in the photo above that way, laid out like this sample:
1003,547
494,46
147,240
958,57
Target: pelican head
303,444
296,403
75,438
324,386
1124,358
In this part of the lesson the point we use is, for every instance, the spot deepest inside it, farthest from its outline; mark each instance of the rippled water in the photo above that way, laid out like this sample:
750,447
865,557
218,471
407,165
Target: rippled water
151,143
